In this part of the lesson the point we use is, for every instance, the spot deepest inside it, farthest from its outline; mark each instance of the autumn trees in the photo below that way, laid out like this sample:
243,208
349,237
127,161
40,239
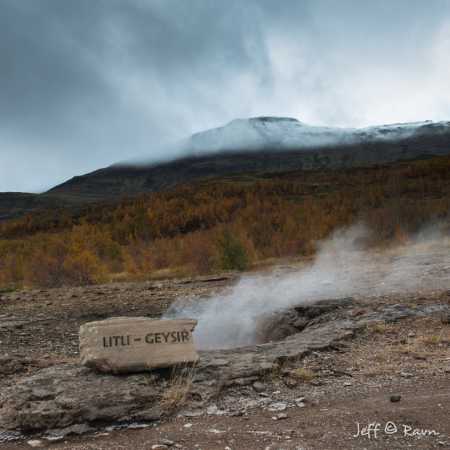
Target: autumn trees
220,224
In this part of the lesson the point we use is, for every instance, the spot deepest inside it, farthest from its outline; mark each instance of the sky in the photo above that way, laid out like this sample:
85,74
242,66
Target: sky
87,83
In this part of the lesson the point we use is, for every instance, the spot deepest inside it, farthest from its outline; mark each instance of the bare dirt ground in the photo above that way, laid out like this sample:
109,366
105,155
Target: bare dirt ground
337,392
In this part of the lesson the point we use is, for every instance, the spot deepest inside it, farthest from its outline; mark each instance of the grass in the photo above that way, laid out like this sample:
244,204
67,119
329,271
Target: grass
176,394
379,327
433,339
303,374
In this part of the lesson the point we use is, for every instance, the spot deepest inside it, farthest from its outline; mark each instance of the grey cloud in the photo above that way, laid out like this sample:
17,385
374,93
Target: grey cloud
89,82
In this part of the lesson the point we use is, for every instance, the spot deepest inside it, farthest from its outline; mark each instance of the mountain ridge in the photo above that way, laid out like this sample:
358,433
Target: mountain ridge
259,144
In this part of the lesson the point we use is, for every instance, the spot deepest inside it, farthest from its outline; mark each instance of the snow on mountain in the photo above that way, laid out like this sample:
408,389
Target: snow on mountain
284,133
261,133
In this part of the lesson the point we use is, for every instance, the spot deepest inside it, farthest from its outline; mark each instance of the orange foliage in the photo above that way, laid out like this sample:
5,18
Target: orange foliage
267,215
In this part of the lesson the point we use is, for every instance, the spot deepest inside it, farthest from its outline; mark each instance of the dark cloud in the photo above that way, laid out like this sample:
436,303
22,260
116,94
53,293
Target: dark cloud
89,82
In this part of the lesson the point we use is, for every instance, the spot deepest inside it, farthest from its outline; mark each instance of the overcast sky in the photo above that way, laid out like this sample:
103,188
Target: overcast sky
86,83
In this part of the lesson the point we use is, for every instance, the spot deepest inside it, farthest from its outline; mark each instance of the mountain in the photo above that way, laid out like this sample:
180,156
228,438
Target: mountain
285,133
260,144
263,144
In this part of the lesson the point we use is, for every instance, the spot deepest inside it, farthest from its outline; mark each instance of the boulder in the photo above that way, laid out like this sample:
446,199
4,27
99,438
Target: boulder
127,344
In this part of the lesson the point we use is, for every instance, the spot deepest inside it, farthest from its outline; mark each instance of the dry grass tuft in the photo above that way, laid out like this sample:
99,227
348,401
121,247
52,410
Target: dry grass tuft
303,374
176,395
379,327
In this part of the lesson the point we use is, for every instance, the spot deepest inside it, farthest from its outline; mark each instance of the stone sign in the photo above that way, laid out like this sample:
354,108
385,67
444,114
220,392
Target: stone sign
133,344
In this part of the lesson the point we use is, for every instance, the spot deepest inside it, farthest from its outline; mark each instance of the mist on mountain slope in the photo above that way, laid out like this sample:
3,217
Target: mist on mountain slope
283,133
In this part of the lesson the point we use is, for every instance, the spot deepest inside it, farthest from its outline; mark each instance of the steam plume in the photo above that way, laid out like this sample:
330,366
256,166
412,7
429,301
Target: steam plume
341,269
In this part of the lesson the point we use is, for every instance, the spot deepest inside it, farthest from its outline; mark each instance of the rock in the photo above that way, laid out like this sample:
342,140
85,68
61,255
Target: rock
277,406
280,416
77,395
445,318
406,375
244,381
395,398
216,431
259,387
53,438
35,443
197,413
10,365
150,414
167,442
287,322
77,429
126,344
301,323
137,426
290,382
213,410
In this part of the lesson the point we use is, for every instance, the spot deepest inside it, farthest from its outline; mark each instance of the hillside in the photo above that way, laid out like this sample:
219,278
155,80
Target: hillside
264,144
16,204
222,223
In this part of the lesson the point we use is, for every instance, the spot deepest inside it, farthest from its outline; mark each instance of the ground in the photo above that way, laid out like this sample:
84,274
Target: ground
334,391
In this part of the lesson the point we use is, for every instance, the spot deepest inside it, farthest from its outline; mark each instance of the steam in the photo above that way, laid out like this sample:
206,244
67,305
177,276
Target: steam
341,269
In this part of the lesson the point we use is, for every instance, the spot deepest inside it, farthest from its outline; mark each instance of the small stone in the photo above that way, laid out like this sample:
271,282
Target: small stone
395,398
187,425
53,438
411,334
347,384
137,426
167,442
280,416
445,318
77,429
258,386
196,413
159,447
213,410
277,406
406,374
266,366
291,382
35,443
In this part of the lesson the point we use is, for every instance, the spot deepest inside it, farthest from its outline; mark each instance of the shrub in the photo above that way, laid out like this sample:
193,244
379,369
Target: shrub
233,255
83,268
